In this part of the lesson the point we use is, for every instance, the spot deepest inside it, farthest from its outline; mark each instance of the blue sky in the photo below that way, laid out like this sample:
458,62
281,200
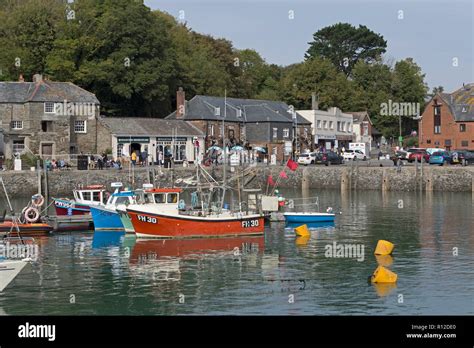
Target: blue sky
434,33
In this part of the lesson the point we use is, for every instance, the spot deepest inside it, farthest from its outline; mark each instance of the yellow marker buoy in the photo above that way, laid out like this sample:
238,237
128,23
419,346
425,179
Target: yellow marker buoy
384,247
384,260
302,240
302,231
384,289
383,275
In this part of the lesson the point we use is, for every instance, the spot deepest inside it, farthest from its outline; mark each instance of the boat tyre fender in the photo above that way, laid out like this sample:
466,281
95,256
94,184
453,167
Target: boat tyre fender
37,200
31,214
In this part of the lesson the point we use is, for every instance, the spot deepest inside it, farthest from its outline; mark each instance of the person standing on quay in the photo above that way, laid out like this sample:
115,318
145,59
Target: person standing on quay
134,158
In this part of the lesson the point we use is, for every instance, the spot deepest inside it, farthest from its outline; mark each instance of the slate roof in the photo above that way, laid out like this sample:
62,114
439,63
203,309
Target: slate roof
461,103
44,91
145,126
253,110
358,116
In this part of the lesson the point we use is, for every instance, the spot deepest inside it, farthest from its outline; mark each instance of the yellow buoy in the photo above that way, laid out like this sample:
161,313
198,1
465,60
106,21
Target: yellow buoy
302,231
383,275
384,289
302,240
384,260
384,247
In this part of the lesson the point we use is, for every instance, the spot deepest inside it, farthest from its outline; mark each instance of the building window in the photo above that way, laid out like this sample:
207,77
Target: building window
119,150
338,126
331,125
437,110
211,130
47,126
17,124
49,108
18,146
365,131
428,141
437,129
325,124
437,143
231,134
80,127
447,142
462,127
286,133
318,124
275,133
464,143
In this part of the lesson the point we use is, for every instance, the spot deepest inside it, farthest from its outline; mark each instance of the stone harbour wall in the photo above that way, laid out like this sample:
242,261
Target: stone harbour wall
61,183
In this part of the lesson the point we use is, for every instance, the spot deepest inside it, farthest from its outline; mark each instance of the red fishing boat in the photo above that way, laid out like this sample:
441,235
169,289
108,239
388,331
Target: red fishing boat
149,222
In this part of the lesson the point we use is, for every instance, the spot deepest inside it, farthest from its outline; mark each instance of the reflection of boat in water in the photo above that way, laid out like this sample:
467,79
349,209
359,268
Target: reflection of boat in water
103,239
311,225
26,229
152,249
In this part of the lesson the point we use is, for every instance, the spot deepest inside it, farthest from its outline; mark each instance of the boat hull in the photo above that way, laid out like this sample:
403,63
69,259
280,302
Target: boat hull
105,219
126,222
151,225
30,230
308,217
69,207
8,271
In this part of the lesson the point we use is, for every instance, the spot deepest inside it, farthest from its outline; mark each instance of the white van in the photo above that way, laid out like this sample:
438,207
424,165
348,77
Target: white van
362,147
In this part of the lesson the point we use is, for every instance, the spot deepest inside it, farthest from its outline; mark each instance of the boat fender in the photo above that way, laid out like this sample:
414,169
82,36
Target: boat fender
383,247
179,181
182,204
37,200
31,214
329,210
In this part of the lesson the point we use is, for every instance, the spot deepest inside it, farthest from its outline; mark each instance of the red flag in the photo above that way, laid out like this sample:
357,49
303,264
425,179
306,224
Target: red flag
270,180
283,175
292,165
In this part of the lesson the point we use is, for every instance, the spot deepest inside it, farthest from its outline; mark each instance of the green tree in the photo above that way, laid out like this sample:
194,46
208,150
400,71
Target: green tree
344,44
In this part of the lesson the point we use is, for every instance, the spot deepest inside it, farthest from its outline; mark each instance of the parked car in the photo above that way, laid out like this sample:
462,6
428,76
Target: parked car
463,157
307,158
420,155
413,150
329,158
440,157
353,155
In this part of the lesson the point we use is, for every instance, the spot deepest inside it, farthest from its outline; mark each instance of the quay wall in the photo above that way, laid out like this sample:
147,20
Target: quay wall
452,178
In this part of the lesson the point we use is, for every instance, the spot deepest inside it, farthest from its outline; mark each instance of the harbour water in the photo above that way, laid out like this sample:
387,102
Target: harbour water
110,273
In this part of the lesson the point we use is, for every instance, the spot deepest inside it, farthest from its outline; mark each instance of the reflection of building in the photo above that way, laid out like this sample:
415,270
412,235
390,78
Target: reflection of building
448,120
248,122
150,135
46,118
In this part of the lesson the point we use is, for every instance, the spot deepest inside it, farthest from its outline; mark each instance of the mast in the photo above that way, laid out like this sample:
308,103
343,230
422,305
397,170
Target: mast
224,175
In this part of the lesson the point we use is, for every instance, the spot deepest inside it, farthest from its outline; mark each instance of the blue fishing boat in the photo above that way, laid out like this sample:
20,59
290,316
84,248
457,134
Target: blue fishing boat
308,217
106,217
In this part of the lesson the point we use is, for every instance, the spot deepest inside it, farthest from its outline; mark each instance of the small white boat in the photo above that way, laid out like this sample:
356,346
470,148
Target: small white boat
9,269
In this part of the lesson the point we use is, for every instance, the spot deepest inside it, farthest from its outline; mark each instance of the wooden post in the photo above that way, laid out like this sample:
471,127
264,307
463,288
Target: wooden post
345,179
38,169
46,191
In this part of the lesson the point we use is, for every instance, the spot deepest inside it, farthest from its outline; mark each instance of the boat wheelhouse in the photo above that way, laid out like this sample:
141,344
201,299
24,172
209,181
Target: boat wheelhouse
84,197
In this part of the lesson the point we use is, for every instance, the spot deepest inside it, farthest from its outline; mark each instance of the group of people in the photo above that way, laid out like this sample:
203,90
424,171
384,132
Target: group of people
56,164
102,161
139,158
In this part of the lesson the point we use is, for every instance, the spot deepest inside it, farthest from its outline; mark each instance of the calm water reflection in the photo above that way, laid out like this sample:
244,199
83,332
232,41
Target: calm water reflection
112,273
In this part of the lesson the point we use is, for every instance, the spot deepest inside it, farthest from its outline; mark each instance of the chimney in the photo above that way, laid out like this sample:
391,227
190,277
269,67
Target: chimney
314,101
180,103
38,78
21,78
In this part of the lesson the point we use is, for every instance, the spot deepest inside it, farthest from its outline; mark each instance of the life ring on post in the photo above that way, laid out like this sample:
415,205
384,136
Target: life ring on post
31,215
37,200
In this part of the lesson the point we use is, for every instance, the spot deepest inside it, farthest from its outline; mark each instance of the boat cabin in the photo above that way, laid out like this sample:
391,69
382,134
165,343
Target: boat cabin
123,197
161,196
90,195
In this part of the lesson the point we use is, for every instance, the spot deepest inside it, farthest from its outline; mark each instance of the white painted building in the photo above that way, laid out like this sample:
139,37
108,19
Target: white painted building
331,129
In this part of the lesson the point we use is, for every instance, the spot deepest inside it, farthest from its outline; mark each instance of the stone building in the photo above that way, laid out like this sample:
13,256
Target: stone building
48,119
123,135
248,122
448,120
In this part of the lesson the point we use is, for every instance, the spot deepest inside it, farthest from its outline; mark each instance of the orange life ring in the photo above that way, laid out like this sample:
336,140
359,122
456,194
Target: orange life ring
31,214
37,200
